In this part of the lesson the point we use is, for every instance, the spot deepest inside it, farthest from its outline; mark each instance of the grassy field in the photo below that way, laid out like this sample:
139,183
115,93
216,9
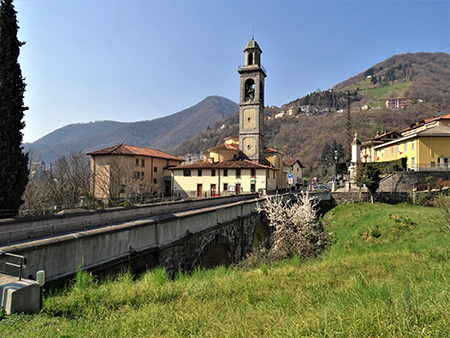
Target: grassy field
379,94
386,275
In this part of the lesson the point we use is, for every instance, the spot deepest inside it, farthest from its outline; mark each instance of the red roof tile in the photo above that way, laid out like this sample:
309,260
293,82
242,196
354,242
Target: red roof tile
123,149
270,150
222,146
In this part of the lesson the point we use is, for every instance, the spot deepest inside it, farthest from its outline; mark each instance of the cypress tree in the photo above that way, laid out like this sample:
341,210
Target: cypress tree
13,162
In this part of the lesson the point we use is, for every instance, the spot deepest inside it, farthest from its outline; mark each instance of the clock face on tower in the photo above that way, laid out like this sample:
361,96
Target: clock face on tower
249,118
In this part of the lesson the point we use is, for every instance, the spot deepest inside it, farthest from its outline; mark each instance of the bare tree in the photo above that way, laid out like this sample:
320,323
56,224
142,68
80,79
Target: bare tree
60,187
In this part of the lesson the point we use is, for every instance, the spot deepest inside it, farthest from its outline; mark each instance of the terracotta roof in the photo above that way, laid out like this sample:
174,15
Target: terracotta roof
270,150
435,131
232,137
423,122
222,146
242,164
123,149
292,161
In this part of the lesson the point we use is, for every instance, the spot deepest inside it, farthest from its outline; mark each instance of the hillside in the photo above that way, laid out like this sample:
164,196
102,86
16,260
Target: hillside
421,77
386,275
163,133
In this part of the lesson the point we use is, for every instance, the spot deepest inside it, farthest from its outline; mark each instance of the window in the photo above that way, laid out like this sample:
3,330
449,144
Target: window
405,148
439,162
155,169
225,172
399,149
142,163
213,172
137,175
382,152
392,150
199,172
155,181
238,173
225,187
387,151
413,161
142,174
274,174
298,169
413,145
137,162
267,174
186,172
252,172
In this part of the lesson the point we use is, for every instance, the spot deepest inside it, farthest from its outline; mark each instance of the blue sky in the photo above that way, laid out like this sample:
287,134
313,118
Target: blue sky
139,60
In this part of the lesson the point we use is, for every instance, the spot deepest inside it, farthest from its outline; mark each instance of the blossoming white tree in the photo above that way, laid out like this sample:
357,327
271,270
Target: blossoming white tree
298,230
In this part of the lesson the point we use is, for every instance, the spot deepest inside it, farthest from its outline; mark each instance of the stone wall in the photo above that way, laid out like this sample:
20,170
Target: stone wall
338,198
404,181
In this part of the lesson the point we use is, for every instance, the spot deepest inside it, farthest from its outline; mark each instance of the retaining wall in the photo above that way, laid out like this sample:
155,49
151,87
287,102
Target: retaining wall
405,181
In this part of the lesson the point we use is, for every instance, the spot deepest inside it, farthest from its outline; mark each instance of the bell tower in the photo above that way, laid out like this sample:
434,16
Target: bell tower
251,103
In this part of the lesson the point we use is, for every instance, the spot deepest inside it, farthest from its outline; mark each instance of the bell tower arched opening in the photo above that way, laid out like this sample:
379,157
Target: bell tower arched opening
250,89
250,59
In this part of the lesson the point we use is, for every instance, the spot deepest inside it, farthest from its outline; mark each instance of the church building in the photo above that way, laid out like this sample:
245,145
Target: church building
241,164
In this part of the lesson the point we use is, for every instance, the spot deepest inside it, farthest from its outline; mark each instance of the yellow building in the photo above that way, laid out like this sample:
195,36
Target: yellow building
425,145
125,171
227,171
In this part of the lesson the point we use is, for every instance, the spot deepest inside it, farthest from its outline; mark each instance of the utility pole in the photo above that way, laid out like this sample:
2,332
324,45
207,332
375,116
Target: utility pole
349,130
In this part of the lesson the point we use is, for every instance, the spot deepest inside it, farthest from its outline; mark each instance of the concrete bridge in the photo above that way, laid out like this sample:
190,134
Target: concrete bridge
175,235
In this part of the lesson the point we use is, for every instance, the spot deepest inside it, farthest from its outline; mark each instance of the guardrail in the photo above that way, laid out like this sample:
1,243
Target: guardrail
20,266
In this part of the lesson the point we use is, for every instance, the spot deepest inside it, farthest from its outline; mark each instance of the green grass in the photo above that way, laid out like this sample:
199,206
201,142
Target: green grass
379,94
386,275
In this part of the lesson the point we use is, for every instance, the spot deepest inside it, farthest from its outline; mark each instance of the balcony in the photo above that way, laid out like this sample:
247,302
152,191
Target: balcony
260,66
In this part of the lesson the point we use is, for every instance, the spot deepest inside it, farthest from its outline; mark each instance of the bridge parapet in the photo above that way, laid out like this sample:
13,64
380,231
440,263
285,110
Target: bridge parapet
14,230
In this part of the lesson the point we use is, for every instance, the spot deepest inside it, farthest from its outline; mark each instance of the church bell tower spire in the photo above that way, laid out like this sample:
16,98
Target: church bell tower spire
251,103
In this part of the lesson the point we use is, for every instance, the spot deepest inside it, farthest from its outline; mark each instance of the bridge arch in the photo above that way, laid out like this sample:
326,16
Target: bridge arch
215,253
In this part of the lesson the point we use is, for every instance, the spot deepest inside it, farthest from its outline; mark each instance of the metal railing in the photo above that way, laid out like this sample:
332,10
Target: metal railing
20,265
428,167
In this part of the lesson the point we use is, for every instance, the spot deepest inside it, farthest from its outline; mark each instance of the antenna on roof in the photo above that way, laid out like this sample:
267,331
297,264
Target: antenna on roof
253,33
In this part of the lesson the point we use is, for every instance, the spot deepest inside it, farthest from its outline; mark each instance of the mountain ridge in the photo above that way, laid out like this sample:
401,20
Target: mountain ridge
163,133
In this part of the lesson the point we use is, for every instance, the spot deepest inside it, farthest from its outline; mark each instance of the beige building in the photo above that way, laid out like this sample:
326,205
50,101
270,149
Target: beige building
124,171
293,172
